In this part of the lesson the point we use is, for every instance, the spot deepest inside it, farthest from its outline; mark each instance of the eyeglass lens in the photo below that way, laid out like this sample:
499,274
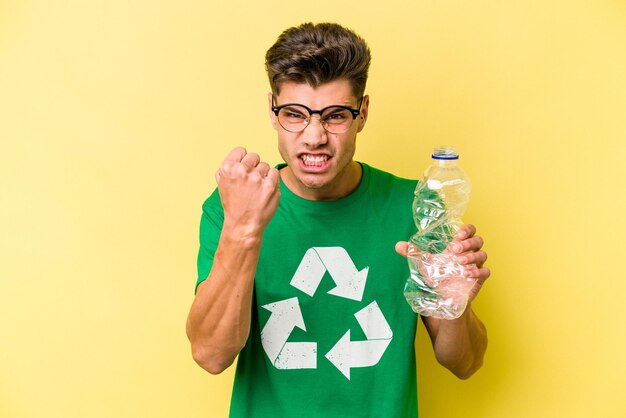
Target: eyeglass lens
334,119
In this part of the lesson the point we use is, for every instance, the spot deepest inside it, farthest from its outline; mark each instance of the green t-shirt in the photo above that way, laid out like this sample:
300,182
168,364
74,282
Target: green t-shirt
331,333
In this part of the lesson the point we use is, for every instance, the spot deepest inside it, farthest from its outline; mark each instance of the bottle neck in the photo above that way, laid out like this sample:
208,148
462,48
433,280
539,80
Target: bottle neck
445,153
444,163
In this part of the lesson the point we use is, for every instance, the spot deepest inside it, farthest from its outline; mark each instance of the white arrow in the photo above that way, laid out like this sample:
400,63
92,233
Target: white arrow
286,315
348,354
297,356
373,323
317,260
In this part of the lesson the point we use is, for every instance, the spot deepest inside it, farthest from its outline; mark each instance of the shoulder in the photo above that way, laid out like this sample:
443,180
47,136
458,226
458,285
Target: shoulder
391,196
212,211
213,204
383,180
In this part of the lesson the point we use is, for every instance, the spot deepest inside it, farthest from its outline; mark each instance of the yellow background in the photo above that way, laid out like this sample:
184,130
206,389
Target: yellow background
115,114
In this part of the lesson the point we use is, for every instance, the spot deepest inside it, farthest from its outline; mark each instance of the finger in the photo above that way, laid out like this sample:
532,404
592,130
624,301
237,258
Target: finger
466,231
236,155
481,274
272,180
469,244
275,198
402,248
478,258
251,160
263,169
273,175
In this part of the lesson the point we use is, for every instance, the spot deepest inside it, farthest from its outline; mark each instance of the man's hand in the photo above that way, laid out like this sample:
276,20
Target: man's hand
460,344
218,325
468,247
249,191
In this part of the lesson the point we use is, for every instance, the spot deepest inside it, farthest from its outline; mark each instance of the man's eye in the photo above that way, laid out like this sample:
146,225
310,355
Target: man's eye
336,117
293,115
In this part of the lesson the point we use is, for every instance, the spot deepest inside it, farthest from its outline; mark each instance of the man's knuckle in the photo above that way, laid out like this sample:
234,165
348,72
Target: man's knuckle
240,169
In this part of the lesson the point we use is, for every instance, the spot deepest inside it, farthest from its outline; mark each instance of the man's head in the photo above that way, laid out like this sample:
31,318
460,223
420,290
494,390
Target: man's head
316,54
317,106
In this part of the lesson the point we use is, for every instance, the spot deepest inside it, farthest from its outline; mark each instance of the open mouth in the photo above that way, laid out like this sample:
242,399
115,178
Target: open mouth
310,160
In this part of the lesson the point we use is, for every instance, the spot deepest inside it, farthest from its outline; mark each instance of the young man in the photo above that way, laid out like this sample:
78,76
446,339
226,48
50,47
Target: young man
297,273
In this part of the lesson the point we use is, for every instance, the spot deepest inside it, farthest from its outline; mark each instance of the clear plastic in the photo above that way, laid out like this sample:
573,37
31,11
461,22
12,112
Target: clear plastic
438,286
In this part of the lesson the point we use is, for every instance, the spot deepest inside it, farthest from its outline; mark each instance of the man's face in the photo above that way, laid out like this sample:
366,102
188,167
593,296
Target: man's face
320,164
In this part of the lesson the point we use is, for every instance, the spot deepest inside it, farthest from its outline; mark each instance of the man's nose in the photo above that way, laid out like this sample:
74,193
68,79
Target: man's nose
314,134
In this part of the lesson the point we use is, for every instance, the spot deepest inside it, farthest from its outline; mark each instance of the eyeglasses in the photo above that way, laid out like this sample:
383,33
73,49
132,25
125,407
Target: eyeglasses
336,119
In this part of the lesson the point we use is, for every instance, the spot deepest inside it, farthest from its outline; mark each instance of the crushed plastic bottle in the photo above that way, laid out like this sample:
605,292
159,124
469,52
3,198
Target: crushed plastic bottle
438,286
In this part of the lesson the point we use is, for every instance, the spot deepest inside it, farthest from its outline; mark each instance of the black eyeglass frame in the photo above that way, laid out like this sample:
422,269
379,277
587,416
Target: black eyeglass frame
277,109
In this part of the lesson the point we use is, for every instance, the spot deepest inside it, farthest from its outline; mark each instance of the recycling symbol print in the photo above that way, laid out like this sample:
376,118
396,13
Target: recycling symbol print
286,316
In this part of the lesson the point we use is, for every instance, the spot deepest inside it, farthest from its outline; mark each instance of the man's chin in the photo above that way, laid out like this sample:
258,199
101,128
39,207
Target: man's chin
313,182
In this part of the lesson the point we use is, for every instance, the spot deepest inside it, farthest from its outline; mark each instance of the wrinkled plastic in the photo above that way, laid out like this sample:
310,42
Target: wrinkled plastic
438,286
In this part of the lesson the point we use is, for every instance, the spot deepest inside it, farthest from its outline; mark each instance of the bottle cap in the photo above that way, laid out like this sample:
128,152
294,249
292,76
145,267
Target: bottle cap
445,153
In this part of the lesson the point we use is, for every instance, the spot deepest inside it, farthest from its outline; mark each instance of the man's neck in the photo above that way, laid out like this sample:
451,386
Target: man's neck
341,186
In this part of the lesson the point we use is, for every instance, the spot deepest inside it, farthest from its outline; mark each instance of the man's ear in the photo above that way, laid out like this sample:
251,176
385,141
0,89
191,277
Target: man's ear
362,118
270,103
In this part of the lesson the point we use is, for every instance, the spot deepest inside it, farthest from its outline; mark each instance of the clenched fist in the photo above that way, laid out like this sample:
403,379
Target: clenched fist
249,191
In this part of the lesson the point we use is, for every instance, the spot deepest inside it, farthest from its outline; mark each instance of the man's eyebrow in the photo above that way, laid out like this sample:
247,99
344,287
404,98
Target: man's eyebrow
292,106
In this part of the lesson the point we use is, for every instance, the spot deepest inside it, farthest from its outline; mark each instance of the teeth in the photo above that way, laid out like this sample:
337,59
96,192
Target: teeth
314,159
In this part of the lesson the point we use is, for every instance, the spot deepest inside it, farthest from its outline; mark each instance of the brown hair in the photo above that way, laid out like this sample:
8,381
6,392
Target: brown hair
317,54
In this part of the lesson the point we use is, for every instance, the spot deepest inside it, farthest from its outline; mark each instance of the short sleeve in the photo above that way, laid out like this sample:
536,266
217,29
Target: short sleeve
211,224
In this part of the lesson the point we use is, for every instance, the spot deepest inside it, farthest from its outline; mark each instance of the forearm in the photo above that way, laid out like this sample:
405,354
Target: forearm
460,344
219,320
